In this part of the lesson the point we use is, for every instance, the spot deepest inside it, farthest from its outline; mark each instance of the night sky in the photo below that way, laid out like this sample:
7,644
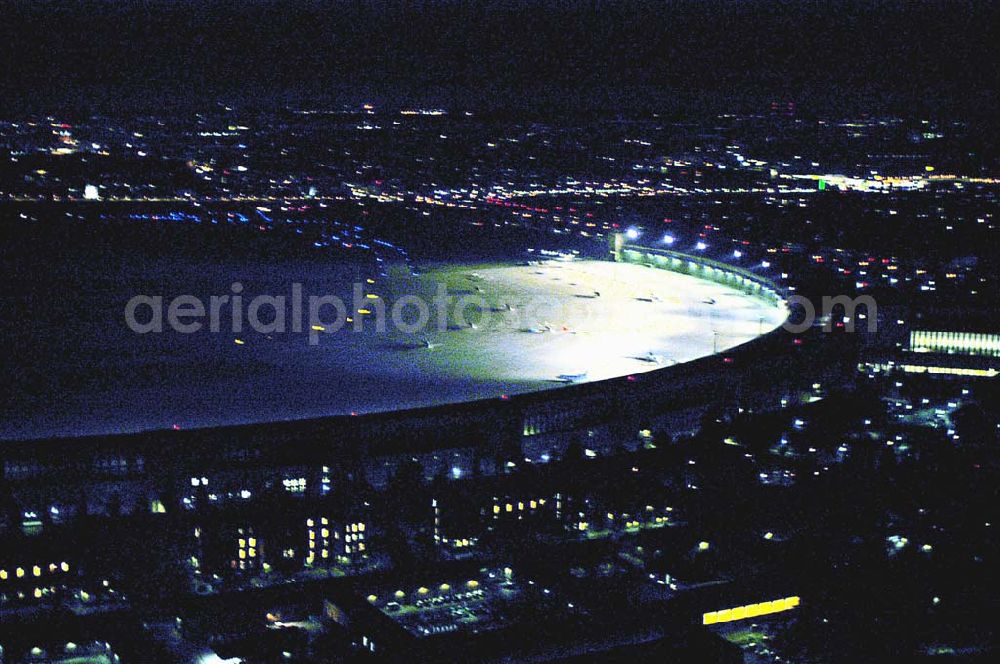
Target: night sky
835,55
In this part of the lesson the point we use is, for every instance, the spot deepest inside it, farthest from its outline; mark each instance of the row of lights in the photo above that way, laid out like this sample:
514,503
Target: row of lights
669,240
20,572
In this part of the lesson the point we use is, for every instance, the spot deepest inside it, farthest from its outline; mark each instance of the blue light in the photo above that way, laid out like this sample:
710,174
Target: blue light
737,253
632,233
668,239
456,472
701,246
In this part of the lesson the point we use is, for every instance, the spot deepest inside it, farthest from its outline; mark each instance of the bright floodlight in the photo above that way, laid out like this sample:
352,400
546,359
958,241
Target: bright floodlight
737,253
765,264
701,246
668,239
632,233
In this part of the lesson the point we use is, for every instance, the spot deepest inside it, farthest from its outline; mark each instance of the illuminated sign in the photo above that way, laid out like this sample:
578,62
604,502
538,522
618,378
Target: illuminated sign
750,611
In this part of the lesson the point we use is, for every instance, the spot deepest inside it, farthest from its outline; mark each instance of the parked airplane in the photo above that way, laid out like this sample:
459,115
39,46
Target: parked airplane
650,357
572,377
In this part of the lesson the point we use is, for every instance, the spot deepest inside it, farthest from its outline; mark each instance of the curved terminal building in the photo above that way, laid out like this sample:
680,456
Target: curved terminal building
600,351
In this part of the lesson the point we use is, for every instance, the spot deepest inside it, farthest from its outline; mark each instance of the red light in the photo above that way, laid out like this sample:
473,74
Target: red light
505,397
630,378
727,360
797,342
